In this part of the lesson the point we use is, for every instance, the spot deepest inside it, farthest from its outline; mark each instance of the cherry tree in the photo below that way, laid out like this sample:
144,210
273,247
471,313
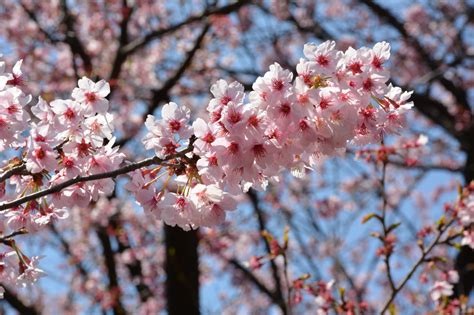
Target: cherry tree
109,108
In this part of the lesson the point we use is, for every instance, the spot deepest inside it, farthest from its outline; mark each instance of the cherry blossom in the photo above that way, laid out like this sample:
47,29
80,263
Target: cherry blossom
92,94
441,289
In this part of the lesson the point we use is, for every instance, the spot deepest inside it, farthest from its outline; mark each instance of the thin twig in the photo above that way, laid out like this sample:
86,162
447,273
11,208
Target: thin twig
386,231
422,258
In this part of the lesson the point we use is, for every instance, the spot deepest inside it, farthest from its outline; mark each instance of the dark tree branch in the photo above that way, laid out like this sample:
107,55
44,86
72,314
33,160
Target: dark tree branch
384,14
316,29
6,240
71,38
250,276
304,248
436,112
426,167
109,257
67,250
134,267
262,226
16,170
424,253
34,18
162,94
18,304
120,57
145,40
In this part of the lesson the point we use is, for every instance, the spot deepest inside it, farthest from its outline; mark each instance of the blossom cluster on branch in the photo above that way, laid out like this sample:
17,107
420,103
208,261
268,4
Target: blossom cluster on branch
336,99
66,153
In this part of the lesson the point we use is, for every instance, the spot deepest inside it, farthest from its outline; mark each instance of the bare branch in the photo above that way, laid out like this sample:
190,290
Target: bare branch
434,65
34,18
162,94
134,267
120,57
71,38
18,304
249,275
111,265
5,239
262,226
145,40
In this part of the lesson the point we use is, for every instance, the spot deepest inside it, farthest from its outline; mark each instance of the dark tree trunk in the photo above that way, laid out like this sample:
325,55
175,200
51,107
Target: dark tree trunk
182,271
464,263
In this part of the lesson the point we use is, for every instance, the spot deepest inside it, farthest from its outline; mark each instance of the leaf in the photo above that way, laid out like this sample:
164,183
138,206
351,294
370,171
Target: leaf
376,235
267,236
342,291
306,276
392,309
441,222
370,216
393,227
286,237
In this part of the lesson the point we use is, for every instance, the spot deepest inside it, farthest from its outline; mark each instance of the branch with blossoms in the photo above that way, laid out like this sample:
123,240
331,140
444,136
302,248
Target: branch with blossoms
337,99
456,223
442,228
325,297
80,179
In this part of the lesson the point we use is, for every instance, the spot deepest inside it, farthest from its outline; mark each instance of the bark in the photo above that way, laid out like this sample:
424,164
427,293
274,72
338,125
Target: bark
182,271
464,263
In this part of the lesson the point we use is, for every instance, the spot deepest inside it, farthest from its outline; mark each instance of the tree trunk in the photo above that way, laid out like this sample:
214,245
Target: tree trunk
464,263
182,271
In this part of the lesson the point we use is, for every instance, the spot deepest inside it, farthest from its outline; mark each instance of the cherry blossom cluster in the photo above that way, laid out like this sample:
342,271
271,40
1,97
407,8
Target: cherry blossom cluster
17,269
200,168
444,286
442,293
60,141
65,140
13,118
462,213
405,152
337,99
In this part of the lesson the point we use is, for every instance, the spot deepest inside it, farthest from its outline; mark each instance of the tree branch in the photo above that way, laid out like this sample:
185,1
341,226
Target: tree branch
384,14
67,250
262,226
273,296
422,258
12,171
435,111
145,40
109,257
162,94
34,18
112,174
120,57
18,304
72,40
134,267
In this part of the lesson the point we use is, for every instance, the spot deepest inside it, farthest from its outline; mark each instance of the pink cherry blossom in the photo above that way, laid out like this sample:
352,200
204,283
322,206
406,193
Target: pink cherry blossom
441,289
93,95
